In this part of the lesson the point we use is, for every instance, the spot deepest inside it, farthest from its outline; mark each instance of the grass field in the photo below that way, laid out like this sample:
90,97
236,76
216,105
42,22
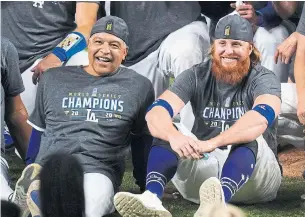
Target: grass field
288,203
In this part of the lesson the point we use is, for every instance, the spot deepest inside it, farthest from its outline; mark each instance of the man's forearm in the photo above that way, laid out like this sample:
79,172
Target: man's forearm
85,17
19,130
299,67
160,124
250,126
85,30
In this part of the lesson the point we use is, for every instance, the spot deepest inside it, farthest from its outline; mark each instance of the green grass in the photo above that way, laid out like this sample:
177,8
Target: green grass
287,204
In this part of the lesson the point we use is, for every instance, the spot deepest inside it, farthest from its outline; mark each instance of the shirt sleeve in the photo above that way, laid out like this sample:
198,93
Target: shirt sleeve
38,116
10,73
301,25
267,16
184,85
266,83
140,125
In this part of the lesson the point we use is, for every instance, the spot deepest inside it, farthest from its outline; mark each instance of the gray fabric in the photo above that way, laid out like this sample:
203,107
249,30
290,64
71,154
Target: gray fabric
234,27
299,9
35,28
91,117
301,25
11,81
218,106
112,25
149,22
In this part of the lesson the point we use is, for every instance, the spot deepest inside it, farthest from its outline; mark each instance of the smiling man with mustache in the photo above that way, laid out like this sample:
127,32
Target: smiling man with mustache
231,153
91,113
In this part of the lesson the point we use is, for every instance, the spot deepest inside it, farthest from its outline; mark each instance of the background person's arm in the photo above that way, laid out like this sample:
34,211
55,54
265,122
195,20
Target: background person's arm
85,18
299,74
16,117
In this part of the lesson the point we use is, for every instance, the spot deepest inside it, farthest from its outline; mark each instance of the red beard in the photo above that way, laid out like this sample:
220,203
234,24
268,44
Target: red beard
230,74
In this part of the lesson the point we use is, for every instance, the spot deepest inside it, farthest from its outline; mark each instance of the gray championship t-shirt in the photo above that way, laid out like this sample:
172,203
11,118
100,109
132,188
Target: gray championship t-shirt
149,22
11,81
217,106
36,27
91,117
301,25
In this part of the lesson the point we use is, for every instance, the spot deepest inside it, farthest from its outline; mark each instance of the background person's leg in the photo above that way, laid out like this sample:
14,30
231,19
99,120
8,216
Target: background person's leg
267,42
28,96
290,130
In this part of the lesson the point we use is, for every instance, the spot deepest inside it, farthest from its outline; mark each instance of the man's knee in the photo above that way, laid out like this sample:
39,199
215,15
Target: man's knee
99,197
253,146
164,144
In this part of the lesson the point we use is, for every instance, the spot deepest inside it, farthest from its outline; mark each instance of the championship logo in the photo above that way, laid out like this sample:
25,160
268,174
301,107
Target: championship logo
227,30
109,26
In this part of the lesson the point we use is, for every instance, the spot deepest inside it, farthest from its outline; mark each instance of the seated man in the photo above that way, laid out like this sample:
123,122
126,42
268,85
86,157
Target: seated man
90,112
235,101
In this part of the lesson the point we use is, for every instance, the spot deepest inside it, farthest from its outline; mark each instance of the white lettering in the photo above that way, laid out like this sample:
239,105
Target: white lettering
91,116
64,102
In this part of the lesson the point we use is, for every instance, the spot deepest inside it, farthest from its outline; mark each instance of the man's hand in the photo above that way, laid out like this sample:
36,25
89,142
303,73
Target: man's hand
286,49
185,146
207,146
246,11
50,61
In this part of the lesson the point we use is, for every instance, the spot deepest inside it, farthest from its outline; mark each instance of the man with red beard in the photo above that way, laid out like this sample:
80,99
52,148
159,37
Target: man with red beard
230,155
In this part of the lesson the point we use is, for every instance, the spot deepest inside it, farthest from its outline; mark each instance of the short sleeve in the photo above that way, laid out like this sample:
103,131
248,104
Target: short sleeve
184,85
266,82
140,124
301,25
10,73
38,116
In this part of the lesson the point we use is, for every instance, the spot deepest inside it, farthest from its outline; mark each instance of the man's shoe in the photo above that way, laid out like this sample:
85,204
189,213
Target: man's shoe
210,194
219,210
33,200
29,174
146,204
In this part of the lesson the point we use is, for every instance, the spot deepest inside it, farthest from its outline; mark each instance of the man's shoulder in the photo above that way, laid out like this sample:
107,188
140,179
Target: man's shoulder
135,76
259,70
58,72
203,69
63,69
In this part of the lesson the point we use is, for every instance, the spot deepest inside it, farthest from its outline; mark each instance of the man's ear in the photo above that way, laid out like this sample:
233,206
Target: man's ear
250,49
125,53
